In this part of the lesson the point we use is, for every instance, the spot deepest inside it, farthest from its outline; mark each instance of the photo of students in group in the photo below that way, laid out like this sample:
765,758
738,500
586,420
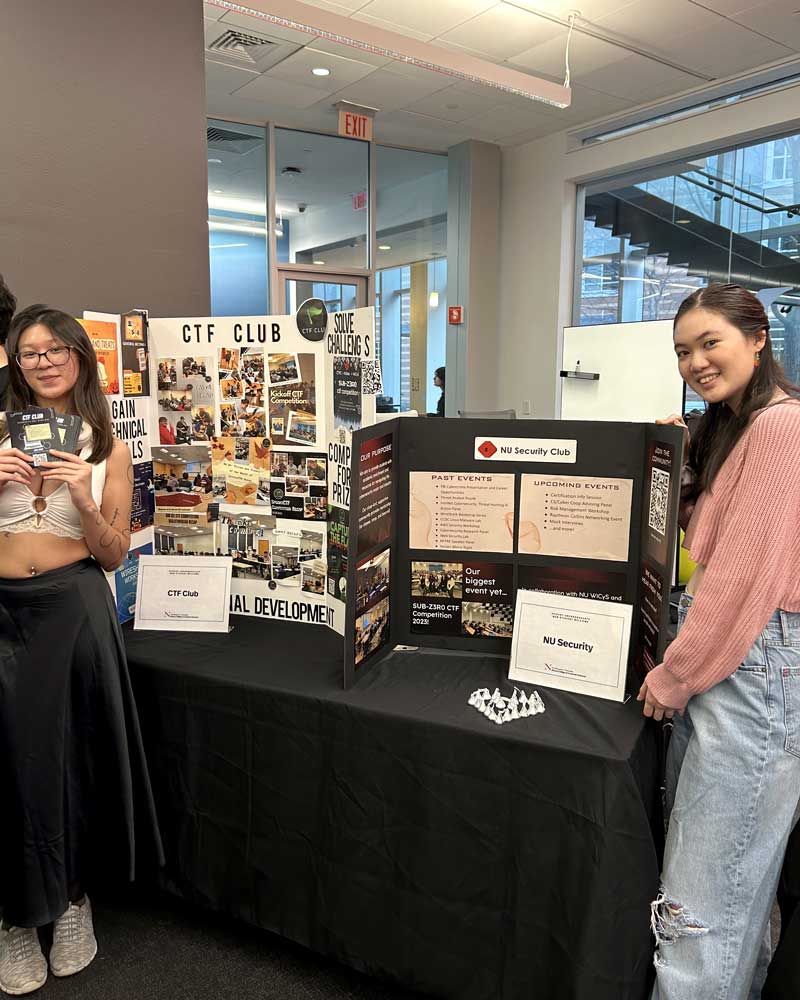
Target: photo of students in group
167,374
229,363
301,427
287,463
297,484
252,374
230,388
174,401
262,491
286,564
195,366
283,368
487,620
240,419
313,578
247,539
317,469
315,505
203,428
437,579
372,580
182,540
310,546
182,478
372,630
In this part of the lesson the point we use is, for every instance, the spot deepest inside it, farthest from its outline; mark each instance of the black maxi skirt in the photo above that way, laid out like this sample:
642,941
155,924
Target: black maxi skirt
75,798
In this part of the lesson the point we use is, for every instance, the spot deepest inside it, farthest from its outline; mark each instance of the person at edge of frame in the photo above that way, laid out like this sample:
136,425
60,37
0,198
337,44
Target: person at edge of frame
73,777
8,304
731,679
439,382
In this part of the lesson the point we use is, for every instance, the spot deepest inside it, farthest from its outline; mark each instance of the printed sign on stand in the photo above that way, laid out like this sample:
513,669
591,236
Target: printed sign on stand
183,594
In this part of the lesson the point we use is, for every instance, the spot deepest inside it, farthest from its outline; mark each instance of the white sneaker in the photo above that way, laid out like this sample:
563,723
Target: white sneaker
74,943
23,968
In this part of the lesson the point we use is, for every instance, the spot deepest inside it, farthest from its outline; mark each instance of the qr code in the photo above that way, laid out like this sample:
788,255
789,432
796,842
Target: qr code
371,381
659,501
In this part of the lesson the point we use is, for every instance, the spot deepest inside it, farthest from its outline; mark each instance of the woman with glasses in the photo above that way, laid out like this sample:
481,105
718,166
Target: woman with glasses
73,777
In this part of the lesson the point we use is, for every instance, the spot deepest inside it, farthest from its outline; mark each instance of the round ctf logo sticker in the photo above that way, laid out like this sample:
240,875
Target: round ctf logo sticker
312,320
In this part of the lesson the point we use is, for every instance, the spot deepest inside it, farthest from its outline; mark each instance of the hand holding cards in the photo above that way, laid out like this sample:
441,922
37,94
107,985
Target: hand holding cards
37,430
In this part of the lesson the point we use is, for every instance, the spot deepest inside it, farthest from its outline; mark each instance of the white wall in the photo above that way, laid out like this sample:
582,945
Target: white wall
538,192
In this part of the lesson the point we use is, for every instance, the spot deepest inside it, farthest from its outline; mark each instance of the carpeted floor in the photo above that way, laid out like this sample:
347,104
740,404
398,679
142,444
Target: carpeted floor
164,950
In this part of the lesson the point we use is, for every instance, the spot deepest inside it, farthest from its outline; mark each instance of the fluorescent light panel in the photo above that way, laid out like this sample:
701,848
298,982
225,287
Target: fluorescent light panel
377,41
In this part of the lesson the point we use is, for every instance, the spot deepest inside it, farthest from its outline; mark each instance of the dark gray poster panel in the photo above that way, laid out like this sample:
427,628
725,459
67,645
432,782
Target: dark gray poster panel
375,491
661,497
347,393
361,557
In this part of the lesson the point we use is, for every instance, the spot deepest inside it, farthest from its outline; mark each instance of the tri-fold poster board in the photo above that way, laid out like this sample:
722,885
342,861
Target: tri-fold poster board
449,520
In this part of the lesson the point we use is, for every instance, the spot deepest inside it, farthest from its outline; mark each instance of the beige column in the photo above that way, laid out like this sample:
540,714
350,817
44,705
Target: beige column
419,335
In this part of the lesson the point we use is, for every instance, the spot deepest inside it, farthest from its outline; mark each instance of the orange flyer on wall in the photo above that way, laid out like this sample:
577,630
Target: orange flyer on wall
105,340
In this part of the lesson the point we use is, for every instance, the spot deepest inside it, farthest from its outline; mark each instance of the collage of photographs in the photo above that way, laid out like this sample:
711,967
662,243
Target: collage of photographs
241,392
373,578
292,399
471,599
298,485
186,411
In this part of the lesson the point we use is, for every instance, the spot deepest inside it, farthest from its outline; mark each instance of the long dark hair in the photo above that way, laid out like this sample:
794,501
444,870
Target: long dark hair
720,427
88,401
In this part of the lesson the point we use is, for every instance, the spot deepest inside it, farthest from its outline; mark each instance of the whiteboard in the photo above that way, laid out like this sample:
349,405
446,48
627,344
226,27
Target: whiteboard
638,371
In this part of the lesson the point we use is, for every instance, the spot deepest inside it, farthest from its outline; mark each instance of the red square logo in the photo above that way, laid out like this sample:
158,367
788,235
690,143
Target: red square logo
487,449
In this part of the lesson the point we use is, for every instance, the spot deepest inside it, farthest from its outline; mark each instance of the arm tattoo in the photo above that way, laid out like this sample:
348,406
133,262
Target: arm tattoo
114,516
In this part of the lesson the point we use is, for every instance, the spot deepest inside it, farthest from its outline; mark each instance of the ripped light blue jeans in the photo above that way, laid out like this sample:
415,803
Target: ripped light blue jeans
733,783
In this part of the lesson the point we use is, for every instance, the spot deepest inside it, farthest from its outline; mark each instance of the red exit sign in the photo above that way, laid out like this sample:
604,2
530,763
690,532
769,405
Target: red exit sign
355,126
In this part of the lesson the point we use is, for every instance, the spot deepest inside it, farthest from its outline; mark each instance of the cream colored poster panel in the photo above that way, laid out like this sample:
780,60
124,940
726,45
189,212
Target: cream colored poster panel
579,517
465,511
638,372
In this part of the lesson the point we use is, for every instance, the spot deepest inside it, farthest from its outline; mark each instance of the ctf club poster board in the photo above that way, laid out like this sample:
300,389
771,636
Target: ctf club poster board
251,430
450,518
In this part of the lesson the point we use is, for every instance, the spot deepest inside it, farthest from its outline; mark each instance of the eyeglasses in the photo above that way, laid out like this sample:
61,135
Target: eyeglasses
28,360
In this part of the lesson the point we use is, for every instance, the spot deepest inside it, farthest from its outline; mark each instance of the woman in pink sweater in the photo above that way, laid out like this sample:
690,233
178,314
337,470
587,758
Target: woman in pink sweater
731,679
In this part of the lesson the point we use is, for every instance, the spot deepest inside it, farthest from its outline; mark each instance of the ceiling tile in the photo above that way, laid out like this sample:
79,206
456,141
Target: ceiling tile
502,121
258,26
455,103
585,54
503,32
648,24
422,15
348,5
779,20
279,92
297,69
222,79
348,52
638,79
529,135
724,50
590,10
211,12
389,91
587,104
379,22
726,7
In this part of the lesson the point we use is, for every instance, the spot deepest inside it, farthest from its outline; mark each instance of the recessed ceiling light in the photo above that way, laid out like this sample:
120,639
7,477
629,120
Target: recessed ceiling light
214,160
683,222
321,71
384,246
319,261
217,191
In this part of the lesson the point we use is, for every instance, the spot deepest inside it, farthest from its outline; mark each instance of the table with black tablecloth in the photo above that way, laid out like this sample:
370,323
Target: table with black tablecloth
392,826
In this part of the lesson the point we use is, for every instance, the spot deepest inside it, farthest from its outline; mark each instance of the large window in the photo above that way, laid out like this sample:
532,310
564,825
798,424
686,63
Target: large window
648,241
411,274
237,217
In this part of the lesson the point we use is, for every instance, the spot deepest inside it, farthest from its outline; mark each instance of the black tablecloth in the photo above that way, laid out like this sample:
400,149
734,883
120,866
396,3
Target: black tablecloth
392,826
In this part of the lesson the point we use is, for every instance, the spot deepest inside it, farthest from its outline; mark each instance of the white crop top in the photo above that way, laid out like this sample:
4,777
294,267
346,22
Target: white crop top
58,515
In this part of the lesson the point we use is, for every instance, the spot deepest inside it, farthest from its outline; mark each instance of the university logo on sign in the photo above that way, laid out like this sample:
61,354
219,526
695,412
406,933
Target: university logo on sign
547,450
487,449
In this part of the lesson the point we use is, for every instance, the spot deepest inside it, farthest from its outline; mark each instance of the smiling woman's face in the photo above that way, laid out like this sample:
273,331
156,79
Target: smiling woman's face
48,382
714,357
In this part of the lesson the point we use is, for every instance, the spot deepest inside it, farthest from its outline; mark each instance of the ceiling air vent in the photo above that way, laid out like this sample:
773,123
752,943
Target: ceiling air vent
237,43
229,141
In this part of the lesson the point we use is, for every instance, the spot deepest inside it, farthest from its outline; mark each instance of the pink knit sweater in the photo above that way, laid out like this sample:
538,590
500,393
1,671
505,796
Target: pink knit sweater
745,530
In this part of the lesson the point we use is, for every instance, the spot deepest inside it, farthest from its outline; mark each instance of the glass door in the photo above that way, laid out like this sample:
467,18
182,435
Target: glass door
337,291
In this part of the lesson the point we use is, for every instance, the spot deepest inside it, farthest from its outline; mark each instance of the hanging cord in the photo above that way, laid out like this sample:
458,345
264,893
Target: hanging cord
571,20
